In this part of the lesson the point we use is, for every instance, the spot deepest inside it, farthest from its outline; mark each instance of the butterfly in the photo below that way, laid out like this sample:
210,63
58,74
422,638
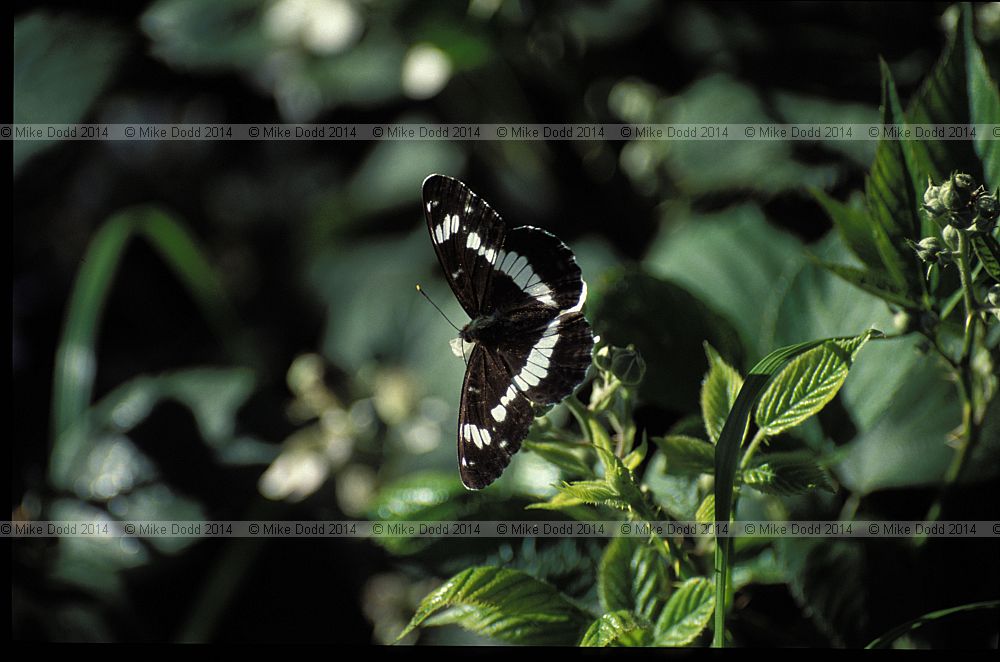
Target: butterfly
524,293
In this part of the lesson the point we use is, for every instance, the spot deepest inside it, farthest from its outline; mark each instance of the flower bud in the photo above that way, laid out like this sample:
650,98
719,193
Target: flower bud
602,358
627,365
956,193
928,249
987,210
962,181
950,236
949,197
932,199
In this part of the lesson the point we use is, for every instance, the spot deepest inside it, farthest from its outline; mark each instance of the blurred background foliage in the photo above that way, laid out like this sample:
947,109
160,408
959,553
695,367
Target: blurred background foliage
230,331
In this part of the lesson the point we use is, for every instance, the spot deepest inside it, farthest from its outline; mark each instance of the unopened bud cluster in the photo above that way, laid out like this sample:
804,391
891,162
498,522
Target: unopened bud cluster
959,204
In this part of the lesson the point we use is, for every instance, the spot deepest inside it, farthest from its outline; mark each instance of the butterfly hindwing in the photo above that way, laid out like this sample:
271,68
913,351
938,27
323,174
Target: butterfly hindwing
538,285
467,235
534,267
553,361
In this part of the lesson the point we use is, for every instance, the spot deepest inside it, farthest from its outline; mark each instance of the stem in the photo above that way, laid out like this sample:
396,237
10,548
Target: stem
850,508
580,414
968,298
966,386
752,448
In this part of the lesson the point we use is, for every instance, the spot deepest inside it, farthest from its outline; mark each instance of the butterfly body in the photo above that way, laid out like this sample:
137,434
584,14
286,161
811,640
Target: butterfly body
524,294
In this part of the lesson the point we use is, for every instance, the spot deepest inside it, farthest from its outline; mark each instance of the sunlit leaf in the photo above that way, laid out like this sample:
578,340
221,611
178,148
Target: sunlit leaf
706,511
786,473
891,196
632,576
718,392
686,614
569,458
807,384
618,628
502,604
686,456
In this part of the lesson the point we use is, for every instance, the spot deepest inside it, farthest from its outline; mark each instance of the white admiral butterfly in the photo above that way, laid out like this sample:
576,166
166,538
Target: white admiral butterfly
532,345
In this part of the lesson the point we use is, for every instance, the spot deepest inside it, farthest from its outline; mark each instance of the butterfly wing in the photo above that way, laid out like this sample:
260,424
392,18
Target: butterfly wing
537,284
537,287
486,444
467,235
528,281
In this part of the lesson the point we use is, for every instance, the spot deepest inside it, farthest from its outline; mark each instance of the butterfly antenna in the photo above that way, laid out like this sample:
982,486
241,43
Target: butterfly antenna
421,290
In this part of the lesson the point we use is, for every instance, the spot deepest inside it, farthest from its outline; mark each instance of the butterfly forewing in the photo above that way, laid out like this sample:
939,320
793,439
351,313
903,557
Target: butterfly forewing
466,234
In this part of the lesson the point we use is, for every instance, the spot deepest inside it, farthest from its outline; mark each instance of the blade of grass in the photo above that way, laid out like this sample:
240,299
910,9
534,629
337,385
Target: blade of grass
727,452
76,360
895,633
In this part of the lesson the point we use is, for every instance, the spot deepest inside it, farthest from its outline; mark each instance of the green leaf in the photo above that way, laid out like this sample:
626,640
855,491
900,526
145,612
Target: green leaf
891,197
786,474
727,454
618,490
591,492
988,251
508,605
984,99
569,458
636,455
903,406
854,225
840,608
76,355
763,568
873,282
816,303
706,511
718,392
632,576
735,262
686,613
686,456
423,496
885,641
675,494
942,99
621,478
61,65
618,628
668,325
419,496
807,384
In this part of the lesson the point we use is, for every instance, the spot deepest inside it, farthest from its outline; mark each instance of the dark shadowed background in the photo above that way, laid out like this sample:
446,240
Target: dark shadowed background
281,365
